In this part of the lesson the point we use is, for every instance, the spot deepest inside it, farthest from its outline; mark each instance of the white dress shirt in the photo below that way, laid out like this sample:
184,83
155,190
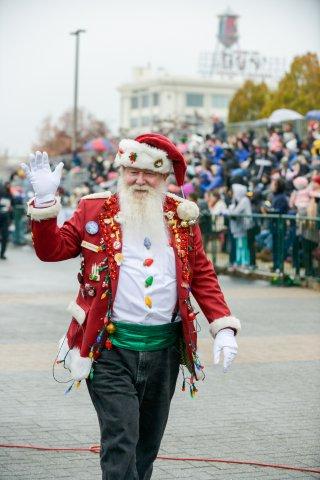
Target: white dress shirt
129,304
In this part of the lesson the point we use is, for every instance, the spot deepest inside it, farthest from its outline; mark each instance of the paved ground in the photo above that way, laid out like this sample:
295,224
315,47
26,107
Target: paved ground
266,409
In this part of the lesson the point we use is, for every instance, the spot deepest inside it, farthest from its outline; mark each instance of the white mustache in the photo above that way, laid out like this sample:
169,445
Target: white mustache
139,189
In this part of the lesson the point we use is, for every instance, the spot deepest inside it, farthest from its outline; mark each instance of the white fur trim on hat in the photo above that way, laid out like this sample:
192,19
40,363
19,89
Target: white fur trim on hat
93,196
78,366
186,210
76,311
224,322
44,213
141,155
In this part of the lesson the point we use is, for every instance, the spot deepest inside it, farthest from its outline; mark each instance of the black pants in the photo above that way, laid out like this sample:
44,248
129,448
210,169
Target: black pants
4,233
131,392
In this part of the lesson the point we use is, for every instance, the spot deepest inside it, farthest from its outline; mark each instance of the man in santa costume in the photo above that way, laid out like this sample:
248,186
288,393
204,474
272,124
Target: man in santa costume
133,323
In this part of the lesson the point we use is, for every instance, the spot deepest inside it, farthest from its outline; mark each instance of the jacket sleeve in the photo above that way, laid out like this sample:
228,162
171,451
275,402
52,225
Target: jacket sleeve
237,209
52,243
207,292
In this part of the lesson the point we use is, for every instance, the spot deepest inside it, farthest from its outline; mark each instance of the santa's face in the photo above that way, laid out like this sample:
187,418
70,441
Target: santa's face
141,195
141,181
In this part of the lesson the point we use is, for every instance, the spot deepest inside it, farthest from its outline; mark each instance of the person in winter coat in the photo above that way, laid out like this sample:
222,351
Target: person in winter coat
240,225
6,205
279,205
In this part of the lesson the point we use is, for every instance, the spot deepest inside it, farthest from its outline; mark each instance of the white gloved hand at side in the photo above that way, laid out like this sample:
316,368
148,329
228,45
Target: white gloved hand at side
44,182
225,342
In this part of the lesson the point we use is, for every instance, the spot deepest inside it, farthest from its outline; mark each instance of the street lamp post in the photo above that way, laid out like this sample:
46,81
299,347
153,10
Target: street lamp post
75,103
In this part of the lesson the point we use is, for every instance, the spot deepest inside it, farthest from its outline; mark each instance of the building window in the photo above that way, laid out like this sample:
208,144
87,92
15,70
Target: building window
134,102
220,101
145,121
134,122
194,100
145,101
155,99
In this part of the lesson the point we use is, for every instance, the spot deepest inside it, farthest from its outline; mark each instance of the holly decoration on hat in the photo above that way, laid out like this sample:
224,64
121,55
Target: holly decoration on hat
133,157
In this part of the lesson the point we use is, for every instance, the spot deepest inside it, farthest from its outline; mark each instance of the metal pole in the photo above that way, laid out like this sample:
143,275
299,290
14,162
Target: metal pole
75,102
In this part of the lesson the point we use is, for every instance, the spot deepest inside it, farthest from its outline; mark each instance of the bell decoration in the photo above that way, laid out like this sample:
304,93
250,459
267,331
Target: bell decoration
108,344
111,328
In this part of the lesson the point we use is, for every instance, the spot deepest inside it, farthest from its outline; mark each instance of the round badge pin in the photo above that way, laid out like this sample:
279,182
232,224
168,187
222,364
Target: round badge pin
116,245
92,227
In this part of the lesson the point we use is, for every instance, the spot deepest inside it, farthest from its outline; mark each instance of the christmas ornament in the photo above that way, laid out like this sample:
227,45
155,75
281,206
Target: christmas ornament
147,243
111,328
119,258
148,301
148,262
149,281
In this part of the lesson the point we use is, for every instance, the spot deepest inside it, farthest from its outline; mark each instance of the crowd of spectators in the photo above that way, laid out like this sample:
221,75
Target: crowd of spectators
231,177
269,174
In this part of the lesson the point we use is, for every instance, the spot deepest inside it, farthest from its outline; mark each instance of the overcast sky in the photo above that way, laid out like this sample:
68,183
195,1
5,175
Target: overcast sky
37,52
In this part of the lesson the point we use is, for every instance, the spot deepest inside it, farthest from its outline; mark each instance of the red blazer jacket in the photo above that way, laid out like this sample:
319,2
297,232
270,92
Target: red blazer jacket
93,306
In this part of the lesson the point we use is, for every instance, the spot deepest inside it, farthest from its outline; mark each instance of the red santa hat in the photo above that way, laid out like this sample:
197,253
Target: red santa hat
152,151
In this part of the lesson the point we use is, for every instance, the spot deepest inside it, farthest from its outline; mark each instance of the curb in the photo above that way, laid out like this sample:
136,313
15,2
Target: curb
308,282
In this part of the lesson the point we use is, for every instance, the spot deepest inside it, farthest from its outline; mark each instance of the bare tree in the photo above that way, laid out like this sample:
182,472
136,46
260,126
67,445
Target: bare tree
55,136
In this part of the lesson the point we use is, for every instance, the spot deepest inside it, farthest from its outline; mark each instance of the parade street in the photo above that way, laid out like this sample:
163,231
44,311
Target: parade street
265,410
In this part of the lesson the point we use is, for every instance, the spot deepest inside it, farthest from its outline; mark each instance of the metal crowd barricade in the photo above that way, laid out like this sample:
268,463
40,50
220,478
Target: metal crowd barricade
283,244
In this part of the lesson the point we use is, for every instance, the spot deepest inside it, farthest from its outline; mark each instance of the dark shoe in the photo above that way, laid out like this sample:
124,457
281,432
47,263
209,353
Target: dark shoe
3,257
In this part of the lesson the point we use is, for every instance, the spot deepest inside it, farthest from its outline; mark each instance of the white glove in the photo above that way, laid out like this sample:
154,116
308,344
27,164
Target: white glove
44,182
225,341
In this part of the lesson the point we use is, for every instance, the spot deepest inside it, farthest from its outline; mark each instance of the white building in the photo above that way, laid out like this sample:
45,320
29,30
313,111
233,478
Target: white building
162,101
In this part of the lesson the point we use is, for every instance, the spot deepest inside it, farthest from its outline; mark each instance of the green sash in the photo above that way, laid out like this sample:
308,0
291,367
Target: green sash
144,338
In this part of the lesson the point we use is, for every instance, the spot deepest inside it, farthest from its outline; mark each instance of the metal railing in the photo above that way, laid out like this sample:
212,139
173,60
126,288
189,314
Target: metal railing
284,244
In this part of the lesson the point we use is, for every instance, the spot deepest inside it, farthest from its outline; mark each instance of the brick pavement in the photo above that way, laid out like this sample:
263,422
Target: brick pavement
266,409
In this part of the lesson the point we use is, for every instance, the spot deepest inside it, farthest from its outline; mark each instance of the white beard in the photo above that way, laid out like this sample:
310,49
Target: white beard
142,216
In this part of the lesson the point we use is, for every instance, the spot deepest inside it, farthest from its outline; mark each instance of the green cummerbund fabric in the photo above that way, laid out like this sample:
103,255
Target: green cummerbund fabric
144,338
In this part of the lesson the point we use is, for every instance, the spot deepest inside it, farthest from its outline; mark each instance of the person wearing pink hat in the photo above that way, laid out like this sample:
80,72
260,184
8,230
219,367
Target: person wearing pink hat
133,323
